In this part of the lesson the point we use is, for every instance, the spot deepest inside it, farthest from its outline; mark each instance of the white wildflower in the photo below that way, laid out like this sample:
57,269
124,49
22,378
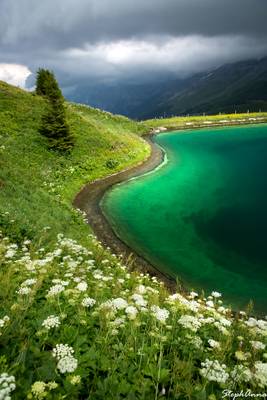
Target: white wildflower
222,309
192,295
51,322
257,345
221,328
88,302
60,282
139,300
4,321
210,304
119,303
261,373
195,341
225,322
67,364
161,314
107,306
216,295
214,344
57,252
7,385
82,286
251,322
262,324
189,322
208,320
29,282
241,374
62,350
54,290
212,370
178,298
141,289
118,322
10,253
24,290
131,312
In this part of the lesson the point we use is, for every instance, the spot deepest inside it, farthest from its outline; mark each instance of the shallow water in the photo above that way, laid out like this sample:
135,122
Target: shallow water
202,217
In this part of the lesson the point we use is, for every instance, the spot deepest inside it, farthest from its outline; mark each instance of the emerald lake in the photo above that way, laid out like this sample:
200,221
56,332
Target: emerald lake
202,215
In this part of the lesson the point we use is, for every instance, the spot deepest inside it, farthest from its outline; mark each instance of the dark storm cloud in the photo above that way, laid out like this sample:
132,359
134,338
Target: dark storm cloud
48,33
66,23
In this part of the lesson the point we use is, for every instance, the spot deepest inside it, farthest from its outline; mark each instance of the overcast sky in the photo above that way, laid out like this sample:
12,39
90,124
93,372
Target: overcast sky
100,40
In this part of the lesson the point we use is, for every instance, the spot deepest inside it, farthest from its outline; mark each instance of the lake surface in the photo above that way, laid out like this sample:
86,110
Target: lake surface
202,216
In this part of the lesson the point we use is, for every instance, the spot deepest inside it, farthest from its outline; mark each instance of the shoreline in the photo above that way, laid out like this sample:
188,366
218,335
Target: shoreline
89,198
210,124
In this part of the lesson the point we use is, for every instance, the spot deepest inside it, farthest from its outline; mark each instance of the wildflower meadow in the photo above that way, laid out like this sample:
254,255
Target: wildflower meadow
77,324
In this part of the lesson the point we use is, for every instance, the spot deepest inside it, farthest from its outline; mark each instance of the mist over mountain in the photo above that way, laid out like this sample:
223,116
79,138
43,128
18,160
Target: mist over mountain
239,86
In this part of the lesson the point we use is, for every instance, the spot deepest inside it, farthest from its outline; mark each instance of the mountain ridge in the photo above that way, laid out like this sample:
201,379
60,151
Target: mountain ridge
239,86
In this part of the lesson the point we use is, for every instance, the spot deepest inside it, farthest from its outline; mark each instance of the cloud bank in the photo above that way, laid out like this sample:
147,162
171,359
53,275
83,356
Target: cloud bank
122,39
14,74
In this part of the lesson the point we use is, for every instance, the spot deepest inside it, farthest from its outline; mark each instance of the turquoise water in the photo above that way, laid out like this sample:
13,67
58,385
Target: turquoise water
202,216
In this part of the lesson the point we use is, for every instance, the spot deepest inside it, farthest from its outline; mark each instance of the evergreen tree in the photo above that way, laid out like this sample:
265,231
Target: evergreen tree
45,81
53,124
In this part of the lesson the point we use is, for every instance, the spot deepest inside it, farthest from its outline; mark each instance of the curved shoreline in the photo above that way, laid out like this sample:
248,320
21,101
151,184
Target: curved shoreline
89,201
89,198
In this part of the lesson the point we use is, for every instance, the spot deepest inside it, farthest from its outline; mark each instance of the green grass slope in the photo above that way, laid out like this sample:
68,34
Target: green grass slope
206,121
37,185
75,322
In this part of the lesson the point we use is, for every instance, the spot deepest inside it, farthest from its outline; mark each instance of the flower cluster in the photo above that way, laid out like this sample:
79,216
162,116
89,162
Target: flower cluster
24,290
161,314
131,312
212,370
88,302
7,385
40,389
66,361
261,373
51,322
4,321
55,290
119,303
189,322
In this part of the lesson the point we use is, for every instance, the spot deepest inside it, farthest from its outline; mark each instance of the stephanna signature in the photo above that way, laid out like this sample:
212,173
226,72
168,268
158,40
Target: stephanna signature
243,394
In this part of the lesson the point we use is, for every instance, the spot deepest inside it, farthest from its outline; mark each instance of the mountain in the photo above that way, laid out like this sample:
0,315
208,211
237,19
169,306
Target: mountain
238,86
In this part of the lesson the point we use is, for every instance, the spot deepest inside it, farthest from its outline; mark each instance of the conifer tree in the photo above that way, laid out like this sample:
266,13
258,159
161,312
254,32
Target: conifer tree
53,123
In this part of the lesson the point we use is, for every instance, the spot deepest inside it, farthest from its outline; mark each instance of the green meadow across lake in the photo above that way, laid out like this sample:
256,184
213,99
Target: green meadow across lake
202,216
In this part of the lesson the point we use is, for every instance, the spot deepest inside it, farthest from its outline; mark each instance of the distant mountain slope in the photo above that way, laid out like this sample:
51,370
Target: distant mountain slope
238,86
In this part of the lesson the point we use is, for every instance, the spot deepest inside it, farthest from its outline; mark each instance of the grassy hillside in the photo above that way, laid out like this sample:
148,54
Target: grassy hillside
37,185
75,322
